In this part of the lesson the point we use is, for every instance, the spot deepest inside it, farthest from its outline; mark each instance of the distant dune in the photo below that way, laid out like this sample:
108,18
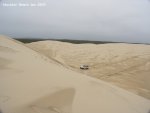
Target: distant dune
32,83
125,65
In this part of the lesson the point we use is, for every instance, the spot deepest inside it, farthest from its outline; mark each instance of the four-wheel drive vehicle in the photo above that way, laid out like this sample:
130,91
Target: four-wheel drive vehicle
84,67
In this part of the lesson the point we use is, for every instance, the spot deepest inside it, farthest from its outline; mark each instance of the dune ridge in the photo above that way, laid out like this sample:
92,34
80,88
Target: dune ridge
125,65
34,84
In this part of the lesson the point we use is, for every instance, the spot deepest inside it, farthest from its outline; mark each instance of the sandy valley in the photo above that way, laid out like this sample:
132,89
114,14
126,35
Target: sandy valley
125,65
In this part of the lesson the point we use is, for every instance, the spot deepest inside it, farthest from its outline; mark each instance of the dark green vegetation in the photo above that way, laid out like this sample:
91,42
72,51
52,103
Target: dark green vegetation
83,41
29,40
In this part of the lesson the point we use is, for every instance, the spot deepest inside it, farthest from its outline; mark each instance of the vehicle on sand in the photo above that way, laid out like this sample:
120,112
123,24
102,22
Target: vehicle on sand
84,67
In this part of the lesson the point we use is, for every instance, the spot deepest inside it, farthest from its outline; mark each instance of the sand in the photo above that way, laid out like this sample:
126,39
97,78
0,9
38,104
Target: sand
124,65
33,83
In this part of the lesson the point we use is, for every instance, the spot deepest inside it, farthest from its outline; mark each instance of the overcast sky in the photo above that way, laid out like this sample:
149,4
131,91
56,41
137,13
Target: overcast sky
110,20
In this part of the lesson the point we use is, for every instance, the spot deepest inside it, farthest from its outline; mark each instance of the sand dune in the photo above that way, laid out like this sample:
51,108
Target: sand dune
125,65
32,83
59,102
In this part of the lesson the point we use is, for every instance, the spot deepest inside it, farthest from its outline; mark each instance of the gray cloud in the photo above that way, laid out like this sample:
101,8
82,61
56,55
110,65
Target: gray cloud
114,20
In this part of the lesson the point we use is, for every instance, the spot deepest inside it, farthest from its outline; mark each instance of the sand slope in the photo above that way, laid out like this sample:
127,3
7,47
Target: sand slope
31,83
125,65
